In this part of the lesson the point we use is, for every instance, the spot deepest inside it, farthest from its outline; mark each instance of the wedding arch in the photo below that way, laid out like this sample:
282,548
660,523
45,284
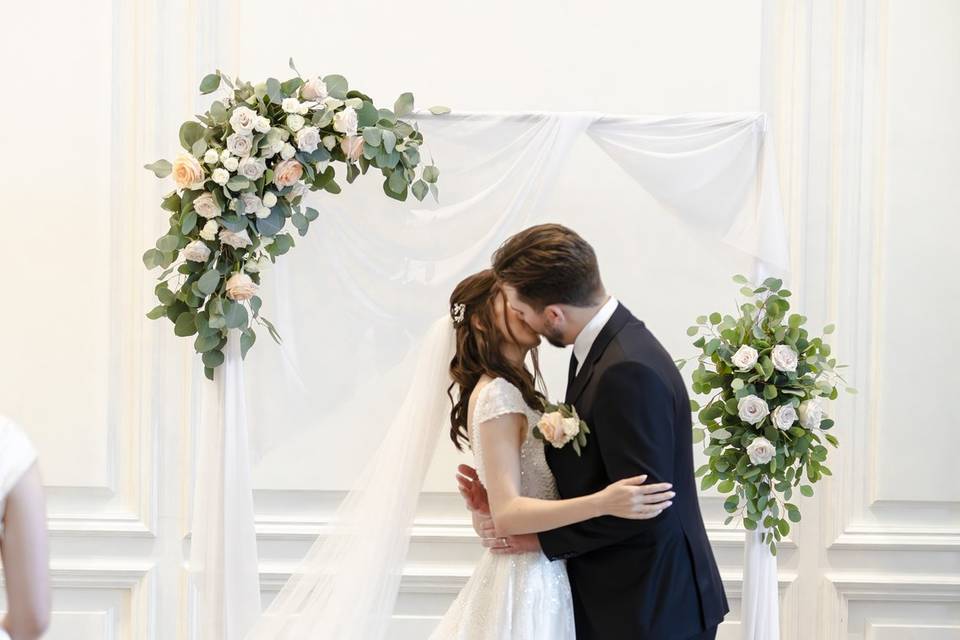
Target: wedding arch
714,171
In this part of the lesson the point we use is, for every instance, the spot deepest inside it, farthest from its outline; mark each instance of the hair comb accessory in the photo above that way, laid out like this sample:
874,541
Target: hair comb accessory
458,312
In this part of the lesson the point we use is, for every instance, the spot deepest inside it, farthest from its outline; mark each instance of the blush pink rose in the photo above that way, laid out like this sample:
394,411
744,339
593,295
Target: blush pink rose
287,173
187,172
352,147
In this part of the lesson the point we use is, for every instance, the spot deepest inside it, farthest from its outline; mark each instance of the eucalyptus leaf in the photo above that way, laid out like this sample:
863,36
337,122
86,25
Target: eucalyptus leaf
210,83
247,338
161,168
190,132
404,105
213,358
209,281
420,190
185,324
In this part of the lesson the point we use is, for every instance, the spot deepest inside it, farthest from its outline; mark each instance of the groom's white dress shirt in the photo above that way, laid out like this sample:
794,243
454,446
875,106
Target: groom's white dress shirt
588,335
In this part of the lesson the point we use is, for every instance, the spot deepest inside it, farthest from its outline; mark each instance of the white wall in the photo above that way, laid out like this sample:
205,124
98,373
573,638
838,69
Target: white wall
861,94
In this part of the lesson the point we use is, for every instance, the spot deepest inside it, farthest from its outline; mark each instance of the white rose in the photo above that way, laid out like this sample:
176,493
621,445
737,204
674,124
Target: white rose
209,231
240,287
295,122
231,163
205,205
224,155
314,89
263,124
745,358
571,427
290,105
235,240
752,409
221,176
287,151
243,120
196,251
252,168
811,413
211,156
761,451
307,139
784,358
239,144
256,265
784,416
346,122
251,203
269,199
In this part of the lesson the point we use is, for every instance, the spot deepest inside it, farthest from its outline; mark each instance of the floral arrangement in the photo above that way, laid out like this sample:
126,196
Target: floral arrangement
560,425
240,186
765,426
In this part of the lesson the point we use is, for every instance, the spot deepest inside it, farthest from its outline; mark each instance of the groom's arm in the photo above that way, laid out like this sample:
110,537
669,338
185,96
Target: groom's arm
634,416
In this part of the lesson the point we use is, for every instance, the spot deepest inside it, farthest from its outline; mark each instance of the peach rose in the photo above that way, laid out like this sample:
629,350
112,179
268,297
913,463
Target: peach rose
352,147
240,287
558,430
287,173
187,172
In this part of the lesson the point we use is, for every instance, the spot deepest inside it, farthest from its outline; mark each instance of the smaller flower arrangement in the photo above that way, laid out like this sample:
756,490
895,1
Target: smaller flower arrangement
561,425
764,427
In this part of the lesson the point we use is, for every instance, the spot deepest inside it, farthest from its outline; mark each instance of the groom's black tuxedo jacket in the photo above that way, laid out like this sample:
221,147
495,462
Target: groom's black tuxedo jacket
634,579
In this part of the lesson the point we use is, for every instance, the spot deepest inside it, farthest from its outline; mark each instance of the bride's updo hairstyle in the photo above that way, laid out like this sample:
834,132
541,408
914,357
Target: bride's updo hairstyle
480,350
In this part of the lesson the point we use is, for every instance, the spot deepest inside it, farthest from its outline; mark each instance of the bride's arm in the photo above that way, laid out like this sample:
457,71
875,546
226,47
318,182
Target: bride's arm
24,552
513,514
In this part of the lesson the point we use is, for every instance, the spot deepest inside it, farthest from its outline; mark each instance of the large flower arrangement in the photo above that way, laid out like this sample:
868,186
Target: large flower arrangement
249,161
764,427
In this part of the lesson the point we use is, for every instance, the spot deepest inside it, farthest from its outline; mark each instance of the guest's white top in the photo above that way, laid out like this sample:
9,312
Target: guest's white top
588,335
16,456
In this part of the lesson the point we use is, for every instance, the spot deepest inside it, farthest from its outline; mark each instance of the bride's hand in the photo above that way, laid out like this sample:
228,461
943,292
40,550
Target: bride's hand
630,498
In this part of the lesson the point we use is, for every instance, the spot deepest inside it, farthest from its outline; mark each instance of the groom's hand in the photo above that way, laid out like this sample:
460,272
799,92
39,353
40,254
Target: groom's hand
472,490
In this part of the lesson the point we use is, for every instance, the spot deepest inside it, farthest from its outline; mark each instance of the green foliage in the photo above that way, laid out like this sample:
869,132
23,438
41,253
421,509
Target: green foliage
759,487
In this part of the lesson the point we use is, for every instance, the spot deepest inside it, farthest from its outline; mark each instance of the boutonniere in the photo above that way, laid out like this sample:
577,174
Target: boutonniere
559,425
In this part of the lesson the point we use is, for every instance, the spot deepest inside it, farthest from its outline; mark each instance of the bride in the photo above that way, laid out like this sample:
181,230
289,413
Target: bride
346,587
523,596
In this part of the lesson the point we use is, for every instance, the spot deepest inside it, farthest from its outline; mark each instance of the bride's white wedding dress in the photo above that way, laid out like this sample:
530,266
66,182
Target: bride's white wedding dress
512,597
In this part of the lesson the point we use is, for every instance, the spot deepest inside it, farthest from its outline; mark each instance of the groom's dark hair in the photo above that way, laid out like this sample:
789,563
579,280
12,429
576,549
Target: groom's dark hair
550,264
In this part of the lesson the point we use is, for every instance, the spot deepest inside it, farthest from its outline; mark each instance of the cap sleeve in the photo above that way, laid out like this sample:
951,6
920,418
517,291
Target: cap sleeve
16,455
496,399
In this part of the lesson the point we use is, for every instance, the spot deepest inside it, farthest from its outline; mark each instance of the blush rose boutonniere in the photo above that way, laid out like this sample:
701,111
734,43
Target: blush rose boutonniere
560,425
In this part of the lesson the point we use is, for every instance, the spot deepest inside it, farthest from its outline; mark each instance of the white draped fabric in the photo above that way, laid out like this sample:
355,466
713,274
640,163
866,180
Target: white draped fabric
356,296
223,549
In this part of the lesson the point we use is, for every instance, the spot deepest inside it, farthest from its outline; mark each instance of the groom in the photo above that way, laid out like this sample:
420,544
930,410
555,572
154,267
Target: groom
631,579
